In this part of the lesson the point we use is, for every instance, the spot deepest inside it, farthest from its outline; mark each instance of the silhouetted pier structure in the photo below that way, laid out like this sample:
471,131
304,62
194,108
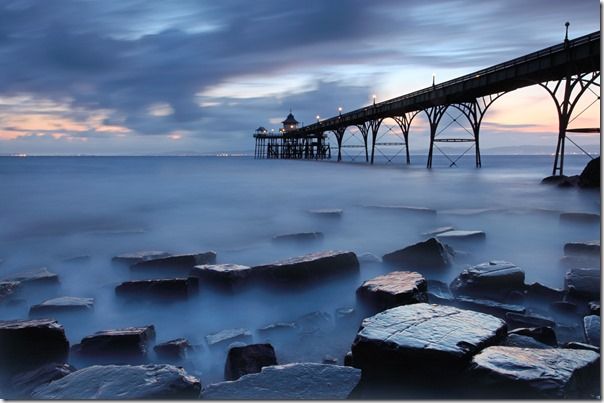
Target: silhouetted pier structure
566,71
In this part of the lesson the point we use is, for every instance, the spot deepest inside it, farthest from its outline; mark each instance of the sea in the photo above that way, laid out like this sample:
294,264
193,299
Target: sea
73,214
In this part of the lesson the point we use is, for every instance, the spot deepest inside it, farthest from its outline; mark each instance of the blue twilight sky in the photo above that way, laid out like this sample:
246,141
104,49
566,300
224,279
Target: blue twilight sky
136,77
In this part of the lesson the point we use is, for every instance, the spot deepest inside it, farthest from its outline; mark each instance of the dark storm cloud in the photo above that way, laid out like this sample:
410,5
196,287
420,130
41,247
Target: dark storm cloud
125,56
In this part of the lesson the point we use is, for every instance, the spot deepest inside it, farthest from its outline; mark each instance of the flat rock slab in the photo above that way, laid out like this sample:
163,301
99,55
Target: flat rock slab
248,359
28,343
112,382
394,289
127,342
170,289
544,373
405,209
591,325
173,349
518,340
435,338
436,231
462,235
140,256
488,306
543,334
228,336
494,279
34,277
587,218
299,237
583,282
222,274
311,266
62,305
427,254
276,328
290,381
176,261
580,261
329,213
523,320
582,248
24,383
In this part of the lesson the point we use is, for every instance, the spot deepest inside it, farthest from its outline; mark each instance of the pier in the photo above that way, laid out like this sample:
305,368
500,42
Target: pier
567,71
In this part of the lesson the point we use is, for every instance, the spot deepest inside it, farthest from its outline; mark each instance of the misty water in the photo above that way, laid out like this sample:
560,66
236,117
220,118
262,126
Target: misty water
57,208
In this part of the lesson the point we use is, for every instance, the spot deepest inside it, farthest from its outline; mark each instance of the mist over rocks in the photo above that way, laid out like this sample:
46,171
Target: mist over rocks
39,276
426,254
175,262
62,305
132,258
159,289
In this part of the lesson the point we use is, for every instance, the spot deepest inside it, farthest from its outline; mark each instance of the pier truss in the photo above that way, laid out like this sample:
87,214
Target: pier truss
568,71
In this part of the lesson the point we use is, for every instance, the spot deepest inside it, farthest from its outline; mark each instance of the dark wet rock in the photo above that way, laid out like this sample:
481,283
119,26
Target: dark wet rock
433,338
222,274
328,359
137,257
369,258
575,345
583,282
328,213
24,383
582,248
183,262
494,279
554,179
436,231
592,326
394,289
25,344
8,289
487,306
580,217
569,182
539,292
34,277
543,373
594,307
299,237
313,322
461,235
276,328
290,381
439,293
543,334
110,382
517,340
176,288
127,343
228,336
307,267
590,176
249,359
427,254
405,209
564,307
580,261
348,359
61,305
515,320
173,349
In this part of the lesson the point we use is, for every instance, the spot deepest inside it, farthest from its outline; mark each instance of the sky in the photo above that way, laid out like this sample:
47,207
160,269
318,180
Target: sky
134,77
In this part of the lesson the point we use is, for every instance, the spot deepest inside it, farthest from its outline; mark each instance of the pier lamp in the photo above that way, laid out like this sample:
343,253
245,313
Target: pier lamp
433,79
374,97
340,110
566,35
318,118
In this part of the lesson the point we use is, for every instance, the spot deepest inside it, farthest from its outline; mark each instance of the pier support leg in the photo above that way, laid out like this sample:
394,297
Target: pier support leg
339,133
374,126
404,123
434,114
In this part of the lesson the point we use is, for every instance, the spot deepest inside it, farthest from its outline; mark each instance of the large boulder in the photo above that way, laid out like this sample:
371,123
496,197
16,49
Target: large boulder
164,289
173,349
423,337
227,336
582,248
175,262
427,254
583,283
62,305
130,343
394,289
289,382
491,280
592,326
248,359
25,344
22,384
590,177
513,372
111,382
136,257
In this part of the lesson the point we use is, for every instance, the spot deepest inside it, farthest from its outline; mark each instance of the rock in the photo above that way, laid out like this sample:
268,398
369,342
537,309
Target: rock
348,359
8,289
423,337
590,176
554,179
540,292
141,256
583,283
494,279
227,336
24,383
173,349
61,305
583,248
521,320
543,334
529,373
328,359
313,322
170,289
592,326
579,261
307,267
290,381
517,340
594,307
569,181
460,235
369,258
39,276
394,289
564,307
127,343
427,254
487,306
222,274
439,293
579,217
299,237
249,359
436,231
26,344
178,262
582,346
403,209
110,382
276,328
328,213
